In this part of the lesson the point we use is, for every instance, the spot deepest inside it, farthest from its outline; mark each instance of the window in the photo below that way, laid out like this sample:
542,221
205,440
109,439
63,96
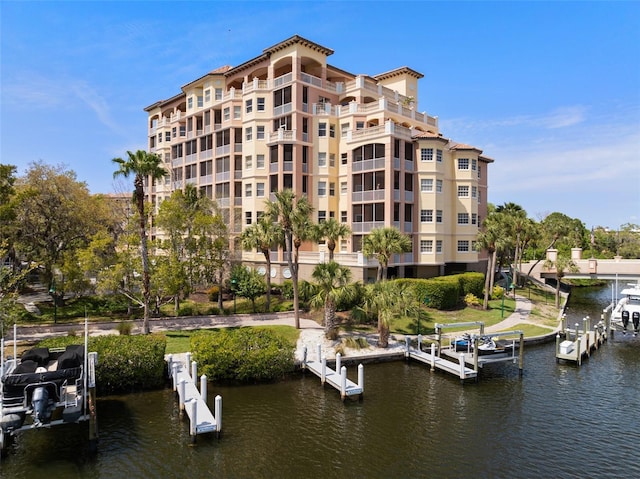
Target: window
248,162
343,158
463,163
426,154
260,103
426,246
473,246
343,217
463,191
474,165
260,190
237,112
343,187
343,245
322,216
332,131
190,103
426,216
438,186
426,185
167,136
332,189
322,188
322,129
479,196
474,219
474,192
259,161
218,93
226,114
332,160
200,101
248,134
248,106
479,172
322,159
463,218
207,95
247,190
260,133
439,156
438,246
344,128
438,216
463,246
359,125
248,217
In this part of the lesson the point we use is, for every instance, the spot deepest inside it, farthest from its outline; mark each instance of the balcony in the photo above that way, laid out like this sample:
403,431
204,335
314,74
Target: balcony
223,176
367,165
223,150
282,135
366,196
283,80
366,226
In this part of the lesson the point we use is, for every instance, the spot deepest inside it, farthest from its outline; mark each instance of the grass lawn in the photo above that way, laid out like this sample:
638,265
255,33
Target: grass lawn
180,341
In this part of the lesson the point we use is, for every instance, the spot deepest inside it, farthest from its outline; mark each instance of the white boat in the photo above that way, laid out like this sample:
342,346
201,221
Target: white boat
626,313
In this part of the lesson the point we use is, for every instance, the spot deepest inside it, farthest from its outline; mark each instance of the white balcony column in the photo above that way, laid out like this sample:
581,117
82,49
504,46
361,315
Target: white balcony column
359,81
353,106
256,83
232,92
382,103
389,127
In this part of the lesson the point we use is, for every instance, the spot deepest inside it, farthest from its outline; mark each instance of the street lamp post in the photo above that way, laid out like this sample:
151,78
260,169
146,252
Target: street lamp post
52,292
233,289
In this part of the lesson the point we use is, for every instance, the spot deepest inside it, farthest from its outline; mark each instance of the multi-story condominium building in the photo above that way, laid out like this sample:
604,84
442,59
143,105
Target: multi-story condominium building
355,145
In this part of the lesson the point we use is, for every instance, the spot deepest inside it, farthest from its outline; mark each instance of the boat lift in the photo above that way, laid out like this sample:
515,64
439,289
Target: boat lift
472,356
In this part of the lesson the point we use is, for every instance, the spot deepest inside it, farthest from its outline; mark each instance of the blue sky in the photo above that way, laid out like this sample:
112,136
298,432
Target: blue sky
550,90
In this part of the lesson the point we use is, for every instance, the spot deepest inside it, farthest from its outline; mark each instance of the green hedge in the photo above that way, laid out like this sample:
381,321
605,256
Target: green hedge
446,292
125,363
244,354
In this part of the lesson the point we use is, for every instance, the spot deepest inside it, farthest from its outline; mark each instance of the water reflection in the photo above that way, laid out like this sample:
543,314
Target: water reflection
556,421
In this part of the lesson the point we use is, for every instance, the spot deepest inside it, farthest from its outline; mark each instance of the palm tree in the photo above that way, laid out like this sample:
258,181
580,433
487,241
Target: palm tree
486,240
142,165
293,215
389,300
560,266
383,243
332,230
262,235
332,280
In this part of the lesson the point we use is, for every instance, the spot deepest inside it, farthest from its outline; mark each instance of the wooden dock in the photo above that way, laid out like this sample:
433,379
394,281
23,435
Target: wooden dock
459,369
577,344
334,378
192,401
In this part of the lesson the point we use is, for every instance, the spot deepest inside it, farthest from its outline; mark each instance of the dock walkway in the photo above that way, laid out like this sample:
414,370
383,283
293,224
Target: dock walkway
192,401
336,378
581,345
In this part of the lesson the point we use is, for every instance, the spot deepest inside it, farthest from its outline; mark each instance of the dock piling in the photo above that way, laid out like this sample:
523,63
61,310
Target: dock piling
194,422
174,375
218,414
194,371
338,361
203,387
323,372
188,362
433,357
343,382
462,366
181,389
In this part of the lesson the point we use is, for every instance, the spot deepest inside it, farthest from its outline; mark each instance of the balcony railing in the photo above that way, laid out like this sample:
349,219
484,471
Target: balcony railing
367,165
371,195
366,226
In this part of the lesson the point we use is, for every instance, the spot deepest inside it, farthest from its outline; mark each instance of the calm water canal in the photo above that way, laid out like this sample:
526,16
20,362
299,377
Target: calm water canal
557,421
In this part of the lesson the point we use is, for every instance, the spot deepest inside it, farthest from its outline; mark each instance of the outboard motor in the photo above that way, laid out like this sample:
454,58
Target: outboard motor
40,403
636,322
625,321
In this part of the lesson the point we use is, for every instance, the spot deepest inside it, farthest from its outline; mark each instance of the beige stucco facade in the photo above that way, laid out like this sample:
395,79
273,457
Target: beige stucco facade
355,145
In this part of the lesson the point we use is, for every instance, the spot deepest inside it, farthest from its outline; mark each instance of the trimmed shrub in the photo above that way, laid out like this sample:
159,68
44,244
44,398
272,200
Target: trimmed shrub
245,354
472,301
125,363
471,283
125,328
212,293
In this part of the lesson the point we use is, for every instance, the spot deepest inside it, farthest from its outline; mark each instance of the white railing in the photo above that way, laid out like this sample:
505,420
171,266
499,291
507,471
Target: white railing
366,226
365,165
282,109
282,135
283,80
305,77
223,150
370,195
223,176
